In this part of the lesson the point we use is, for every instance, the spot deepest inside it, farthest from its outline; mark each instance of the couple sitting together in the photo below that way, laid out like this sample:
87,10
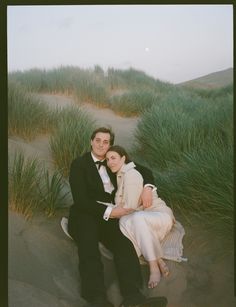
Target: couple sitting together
116,203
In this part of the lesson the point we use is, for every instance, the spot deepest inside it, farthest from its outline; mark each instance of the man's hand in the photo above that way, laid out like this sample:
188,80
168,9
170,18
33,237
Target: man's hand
118,212
146,197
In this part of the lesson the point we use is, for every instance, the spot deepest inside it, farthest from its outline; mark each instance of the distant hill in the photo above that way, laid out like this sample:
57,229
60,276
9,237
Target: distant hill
214,80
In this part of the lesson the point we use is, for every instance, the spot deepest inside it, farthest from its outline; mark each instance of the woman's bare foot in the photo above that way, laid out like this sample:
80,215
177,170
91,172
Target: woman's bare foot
155,274
163,267
154,279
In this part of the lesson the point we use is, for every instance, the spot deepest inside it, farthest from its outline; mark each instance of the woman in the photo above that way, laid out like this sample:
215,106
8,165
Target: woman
153,230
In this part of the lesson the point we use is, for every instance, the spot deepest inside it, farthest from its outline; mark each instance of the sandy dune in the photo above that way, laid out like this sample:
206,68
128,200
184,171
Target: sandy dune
43,262
123,127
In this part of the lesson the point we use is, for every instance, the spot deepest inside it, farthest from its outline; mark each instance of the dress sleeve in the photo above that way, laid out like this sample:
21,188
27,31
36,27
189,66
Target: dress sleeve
132,189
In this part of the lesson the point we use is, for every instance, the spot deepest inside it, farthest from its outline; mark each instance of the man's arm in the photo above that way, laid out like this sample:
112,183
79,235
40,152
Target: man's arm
146,174
146,196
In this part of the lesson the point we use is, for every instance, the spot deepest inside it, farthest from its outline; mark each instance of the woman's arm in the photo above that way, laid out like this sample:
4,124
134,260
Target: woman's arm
128,194
132,189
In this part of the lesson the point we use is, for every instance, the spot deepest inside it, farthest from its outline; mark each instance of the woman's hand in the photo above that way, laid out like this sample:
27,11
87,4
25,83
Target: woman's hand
118,212
146,197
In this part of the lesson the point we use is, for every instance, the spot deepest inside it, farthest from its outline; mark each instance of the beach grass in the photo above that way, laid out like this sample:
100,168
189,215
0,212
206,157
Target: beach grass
211,93
71,137
90,85
133,103
24,179
180,123
52,192
27,115
92,90
187,140
57,80
33,188
134,79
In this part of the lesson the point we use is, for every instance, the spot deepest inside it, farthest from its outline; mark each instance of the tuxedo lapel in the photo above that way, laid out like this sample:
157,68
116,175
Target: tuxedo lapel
112,177
93,173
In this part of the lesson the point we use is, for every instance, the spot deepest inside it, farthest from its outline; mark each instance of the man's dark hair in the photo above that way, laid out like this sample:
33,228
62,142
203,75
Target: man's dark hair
104,130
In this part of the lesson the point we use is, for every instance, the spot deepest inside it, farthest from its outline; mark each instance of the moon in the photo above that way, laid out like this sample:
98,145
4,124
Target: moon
146,49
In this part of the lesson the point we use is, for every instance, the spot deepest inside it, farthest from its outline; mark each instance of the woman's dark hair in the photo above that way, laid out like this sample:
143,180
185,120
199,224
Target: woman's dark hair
121,152
104,130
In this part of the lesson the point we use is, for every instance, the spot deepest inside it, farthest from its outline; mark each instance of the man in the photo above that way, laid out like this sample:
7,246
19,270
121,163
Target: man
91,222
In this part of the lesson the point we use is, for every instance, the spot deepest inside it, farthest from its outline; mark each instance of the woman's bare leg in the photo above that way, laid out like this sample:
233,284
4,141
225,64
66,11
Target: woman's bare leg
155,274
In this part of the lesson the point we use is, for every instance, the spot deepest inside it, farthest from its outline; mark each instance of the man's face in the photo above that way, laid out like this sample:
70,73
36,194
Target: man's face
100,145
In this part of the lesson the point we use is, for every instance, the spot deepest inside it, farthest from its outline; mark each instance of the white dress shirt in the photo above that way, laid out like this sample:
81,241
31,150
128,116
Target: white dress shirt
108,187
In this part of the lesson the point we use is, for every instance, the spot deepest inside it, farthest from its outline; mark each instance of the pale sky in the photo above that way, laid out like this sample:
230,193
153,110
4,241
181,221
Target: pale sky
173,43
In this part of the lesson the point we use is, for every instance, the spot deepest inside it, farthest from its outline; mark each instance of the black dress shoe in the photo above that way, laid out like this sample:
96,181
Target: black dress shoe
160,301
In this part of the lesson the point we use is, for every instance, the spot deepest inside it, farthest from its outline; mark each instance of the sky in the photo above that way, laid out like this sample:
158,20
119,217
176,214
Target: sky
172,43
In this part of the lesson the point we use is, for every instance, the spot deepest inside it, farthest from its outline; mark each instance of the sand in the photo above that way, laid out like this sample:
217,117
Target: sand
43,262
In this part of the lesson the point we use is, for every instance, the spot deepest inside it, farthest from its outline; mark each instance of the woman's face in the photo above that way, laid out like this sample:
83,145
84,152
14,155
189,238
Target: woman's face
114,161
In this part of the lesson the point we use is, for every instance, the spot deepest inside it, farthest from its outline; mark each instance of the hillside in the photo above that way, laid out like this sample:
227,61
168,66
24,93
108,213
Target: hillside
214,80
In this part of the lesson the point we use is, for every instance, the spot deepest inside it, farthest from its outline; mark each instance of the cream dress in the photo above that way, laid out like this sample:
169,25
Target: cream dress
153,231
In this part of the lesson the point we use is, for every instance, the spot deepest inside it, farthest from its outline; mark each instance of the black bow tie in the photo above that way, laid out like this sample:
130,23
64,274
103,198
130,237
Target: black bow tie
100,163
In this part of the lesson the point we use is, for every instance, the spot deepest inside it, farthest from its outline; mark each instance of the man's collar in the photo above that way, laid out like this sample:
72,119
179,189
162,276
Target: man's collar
95,159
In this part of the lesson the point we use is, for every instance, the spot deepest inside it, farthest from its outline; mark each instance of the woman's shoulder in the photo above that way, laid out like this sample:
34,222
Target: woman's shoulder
129,168
131,172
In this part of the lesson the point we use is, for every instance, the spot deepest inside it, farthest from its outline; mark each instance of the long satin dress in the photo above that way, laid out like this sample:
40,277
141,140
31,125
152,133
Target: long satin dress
153,231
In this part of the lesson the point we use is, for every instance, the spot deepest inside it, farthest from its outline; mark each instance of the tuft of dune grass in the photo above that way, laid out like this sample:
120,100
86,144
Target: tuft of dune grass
71,137
53,191
24,179
33,189
188,142
92,85
27,115
133,103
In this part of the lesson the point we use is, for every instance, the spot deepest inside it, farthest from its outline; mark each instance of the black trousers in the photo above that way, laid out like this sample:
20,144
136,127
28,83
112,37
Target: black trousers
87,231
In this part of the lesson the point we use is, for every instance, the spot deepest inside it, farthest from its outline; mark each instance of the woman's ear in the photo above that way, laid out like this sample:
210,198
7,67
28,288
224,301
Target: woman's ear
123,159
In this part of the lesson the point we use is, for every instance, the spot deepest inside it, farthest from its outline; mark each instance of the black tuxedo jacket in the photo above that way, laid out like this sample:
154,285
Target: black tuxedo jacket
87,186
